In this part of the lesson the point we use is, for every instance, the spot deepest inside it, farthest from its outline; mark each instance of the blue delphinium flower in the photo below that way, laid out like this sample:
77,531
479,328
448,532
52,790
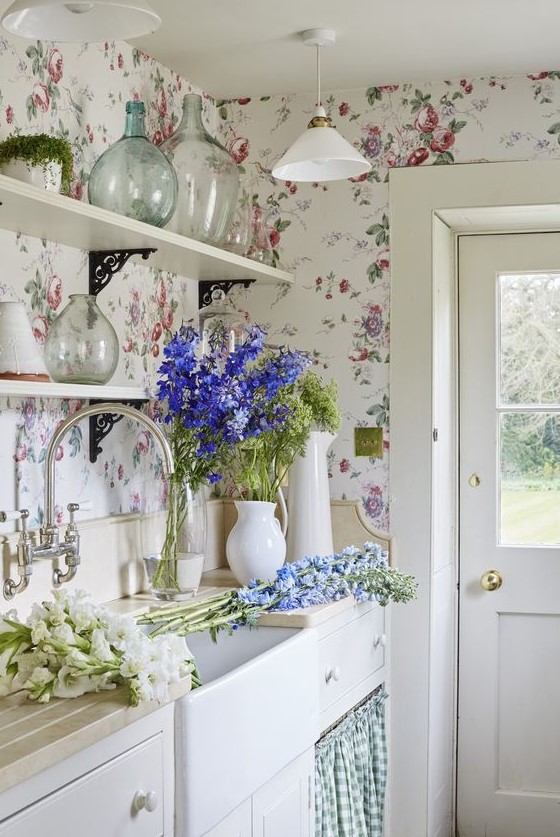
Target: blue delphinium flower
362,573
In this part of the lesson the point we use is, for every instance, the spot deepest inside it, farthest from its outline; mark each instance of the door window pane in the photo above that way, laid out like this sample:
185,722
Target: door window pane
529,342
529,484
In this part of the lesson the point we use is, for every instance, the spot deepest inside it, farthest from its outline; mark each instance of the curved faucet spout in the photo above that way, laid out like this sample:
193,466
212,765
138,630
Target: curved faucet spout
86,412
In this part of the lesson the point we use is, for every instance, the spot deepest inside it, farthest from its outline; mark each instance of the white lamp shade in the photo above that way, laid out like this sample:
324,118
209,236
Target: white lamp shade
85,21
319,154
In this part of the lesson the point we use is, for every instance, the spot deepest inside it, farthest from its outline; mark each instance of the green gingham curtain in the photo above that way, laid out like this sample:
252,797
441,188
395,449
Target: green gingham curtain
351,774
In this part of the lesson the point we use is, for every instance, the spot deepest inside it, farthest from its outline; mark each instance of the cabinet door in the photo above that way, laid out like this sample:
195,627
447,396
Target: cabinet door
100,804
236,824
285,805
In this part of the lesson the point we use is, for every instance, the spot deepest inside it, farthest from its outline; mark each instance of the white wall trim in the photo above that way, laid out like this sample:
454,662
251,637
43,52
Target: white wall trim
487,197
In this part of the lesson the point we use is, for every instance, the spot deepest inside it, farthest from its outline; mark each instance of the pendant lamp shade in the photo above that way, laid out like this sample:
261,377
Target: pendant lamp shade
88,21
320,153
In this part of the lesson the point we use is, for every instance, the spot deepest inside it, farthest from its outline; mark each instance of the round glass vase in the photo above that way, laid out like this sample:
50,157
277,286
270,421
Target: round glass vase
208,178
221,327
133,177
173,539
82,346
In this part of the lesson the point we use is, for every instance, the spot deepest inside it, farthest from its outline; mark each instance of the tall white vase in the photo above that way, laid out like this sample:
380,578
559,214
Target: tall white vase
256,546
309,501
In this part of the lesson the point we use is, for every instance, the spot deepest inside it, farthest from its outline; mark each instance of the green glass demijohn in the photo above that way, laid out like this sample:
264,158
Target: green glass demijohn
208,178
133,177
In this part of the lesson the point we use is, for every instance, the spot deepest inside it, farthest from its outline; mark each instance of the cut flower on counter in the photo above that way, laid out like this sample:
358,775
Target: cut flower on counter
70,646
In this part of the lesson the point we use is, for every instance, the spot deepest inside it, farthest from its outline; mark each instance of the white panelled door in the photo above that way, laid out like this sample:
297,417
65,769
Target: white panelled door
509,471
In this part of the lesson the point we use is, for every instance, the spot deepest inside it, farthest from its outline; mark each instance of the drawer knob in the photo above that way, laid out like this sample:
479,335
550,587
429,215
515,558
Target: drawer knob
332,674
380,641
147,801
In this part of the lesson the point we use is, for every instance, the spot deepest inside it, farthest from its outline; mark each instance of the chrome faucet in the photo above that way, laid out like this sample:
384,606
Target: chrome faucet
49,545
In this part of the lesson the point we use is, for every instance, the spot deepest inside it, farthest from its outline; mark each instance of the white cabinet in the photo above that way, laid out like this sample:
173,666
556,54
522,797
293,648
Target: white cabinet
283,807
352,659
122,786
236,824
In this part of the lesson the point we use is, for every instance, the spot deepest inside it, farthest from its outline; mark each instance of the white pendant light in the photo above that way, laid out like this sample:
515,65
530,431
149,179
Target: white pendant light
88,21
320,153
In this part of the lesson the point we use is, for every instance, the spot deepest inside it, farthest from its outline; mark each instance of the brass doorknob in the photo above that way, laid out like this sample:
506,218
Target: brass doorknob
491,580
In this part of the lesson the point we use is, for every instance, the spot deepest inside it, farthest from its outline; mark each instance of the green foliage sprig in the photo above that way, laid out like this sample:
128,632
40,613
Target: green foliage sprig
39,150
322,399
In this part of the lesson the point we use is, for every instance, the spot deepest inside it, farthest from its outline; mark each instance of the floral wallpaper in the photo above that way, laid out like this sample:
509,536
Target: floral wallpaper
79,92
334,237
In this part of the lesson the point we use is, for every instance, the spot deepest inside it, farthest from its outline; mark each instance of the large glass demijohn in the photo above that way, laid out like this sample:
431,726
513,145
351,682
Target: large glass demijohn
133,177
208,178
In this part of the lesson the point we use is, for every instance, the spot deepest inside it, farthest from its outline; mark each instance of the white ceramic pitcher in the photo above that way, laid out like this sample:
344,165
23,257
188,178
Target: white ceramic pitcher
309,501
256,545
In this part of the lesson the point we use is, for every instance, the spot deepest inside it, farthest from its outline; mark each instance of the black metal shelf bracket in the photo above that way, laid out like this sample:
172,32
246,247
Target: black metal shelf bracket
205,289
101,425
103,264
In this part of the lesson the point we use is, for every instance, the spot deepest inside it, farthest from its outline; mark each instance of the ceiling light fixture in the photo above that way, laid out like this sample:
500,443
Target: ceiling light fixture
89,21
320,154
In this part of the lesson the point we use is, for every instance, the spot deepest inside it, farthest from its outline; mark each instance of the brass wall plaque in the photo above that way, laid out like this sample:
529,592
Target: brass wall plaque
368,441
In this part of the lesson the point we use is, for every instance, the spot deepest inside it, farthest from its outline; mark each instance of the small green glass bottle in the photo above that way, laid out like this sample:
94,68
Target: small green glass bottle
133,177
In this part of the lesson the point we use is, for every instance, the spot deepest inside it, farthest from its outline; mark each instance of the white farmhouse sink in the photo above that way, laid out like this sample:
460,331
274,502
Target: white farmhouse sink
257,711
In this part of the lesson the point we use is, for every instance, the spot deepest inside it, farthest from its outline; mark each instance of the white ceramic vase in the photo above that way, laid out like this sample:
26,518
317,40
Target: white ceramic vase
256,546
47,177
309,501
20,356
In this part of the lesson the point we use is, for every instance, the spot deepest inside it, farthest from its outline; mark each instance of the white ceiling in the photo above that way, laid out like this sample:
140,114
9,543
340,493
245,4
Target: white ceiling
252,47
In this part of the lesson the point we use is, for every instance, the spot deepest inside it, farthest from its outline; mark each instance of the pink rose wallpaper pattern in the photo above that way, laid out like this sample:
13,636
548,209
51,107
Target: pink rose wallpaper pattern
334,237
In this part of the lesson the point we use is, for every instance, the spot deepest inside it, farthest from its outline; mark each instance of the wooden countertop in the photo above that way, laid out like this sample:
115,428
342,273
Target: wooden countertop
35,736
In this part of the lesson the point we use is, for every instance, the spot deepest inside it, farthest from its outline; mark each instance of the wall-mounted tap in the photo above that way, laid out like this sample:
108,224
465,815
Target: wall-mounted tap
49,545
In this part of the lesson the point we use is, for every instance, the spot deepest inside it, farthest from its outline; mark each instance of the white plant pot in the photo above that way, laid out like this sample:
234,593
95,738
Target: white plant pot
256,546
309,502
48,177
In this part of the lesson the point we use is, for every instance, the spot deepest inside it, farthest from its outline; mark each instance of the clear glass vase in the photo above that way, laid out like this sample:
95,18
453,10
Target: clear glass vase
221,327
173,538
260,248
82,346
208,178
238,237
133,177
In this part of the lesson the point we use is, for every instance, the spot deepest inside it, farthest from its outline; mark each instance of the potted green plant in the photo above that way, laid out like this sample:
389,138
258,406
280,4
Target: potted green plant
40,159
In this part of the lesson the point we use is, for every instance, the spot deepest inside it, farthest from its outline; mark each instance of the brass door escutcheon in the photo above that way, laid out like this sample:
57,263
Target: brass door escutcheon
491,580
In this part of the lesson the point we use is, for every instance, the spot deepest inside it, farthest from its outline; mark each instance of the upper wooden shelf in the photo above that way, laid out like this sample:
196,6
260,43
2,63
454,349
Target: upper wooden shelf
50,389
26,209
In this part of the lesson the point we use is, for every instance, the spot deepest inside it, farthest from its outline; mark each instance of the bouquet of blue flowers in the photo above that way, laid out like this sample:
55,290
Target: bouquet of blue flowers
216,402
363,573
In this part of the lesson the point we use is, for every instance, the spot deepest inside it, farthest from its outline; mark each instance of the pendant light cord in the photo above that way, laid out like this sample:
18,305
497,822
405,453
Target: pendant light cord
318,75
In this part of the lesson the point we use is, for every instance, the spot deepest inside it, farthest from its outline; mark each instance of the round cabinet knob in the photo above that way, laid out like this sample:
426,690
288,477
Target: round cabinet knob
332,674
147,801
491,580
380,641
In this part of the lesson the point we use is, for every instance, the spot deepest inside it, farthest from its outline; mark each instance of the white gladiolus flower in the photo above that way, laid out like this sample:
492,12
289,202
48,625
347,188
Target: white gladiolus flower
69,638
121,631
40,633
100,648
72,684
40,676
64,634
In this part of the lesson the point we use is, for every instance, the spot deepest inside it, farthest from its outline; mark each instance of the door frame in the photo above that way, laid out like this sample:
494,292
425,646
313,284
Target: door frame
429,207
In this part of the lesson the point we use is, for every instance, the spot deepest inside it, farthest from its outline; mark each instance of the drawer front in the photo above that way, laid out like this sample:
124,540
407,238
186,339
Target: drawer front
349,656
102,803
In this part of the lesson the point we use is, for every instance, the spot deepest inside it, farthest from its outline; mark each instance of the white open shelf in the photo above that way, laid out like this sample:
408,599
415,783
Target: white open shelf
26,209
46,389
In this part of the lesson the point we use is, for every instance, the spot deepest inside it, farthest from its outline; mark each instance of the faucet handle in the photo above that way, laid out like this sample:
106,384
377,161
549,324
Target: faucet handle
87,505
17,514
